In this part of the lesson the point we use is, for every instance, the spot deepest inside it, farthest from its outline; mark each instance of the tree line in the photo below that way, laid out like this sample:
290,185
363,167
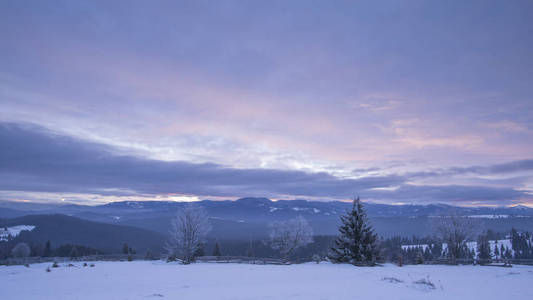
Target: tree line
357,243
293,241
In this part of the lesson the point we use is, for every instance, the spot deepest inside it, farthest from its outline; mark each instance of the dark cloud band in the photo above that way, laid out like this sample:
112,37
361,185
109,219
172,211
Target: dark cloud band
35,159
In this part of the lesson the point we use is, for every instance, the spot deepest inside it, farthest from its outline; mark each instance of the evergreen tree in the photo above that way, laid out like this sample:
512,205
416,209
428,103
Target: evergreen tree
149,255
74,252
483,248
436,250
199,250
419,258
357,240
508,253
125,249
250,250
496,251
47,249
217,252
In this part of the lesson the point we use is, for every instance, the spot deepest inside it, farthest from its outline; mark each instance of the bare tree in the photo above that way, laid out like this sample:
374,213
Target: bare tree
187,232
290,235
21,250
455,231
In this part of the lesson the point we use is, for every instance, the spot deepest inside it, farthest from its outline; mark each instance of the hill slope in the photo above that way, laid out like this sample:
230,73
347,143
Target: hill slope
61,229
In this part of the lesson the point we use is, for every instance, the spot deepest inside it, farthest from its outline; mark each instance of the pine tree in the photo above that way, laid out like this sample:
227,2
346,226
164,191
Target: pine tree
217,252
199,250
47,249
250,250
419,259
483,248
149,255
74,251
357,240
496,251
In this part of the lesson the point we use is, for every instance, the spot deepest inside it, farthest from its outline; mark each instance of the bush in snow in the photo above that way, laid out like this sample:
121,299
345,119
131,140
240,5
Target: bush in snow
21,250
316,258
290,235
187,232
357,242
425,282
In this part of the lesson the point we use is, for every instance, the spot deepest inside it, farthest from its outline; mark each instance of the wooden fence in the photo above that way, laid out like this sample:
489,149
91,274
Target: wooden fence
126,257
236,259
469,261
241,259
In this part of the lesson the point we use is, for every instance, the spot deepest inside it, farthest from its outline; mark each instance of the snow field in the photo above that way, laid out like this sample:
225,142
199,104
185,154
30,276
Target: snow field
146,280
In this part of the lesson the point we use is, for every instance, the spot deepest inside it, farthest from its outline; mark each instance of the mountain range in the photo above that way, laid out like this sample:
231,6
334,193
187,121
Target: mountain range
248,218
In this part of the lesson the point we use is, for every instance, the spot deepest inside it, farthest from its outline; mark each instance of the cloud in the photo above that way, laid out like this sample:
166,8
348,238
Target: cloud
507,125
525,165
452,194
35,159
420,134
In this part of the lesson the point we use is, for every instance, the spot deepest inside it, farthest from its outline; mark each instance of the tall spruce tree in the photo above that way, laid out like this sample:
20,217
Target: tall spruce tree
74,251
216,251
496,251
357,241
47,249
125,249
483,248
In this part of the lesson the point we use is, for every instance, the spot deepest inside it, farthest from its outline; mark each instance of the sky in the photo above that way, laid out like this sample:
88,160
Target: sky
400,102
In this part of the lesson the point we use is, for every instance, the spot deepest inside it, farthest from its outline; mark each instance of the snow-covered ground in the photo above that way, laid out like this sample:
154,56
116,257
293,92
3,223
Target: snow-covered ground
13,231
159,280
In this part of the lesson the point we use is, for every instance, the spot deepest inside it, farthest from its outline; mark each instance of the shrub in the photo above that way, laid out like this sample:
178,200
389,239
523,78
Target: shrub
316,258
419,258
392,279
425,282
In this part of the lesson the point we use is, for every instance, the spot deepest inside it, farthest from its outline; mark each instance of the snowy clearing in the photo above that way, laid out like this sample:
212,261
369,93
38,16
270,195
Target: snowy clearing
146,280
14,231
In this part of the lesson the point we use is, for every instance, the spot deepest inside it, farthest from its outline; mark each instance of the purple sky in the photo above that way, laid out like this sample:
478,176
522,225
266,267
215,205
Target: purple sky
396,101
